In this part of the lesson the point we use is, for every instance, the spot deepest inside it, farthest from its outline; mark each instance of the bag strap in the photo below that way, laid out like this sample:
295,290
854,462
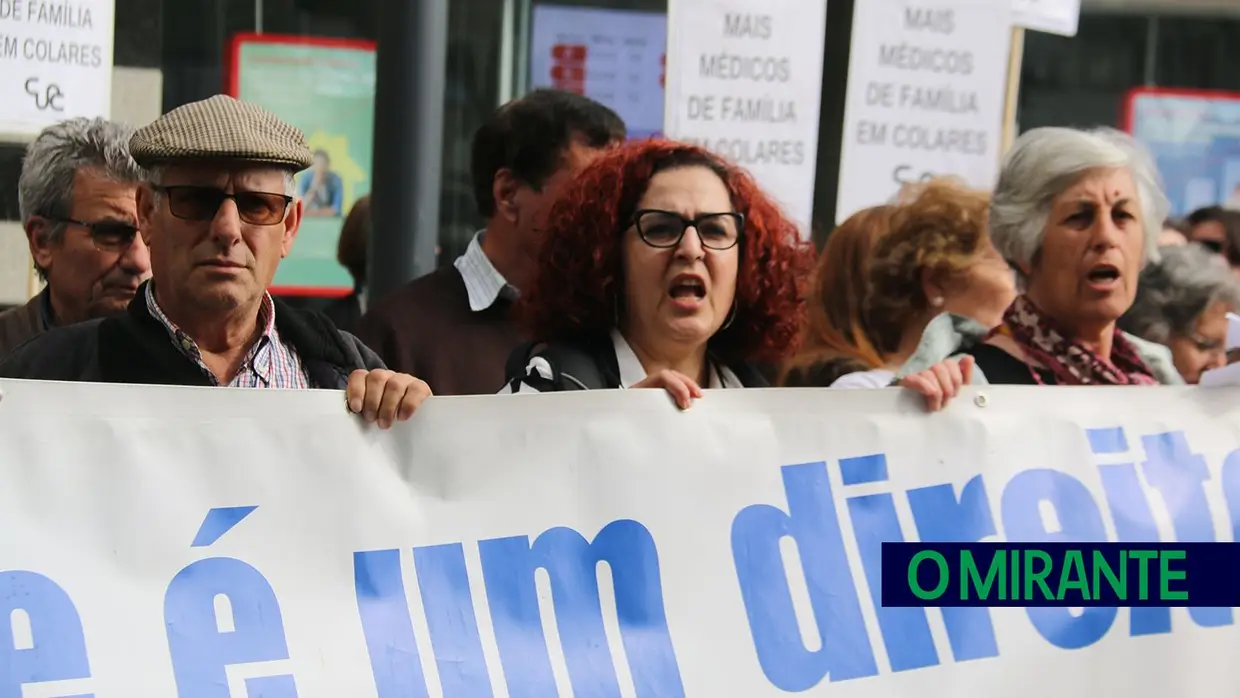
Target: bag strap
572,368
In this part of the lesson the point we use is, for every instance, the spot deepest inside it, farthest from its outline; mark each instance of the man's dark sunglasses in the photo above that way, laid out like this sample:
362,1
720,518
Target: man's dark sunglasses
663,229
203,203
107,236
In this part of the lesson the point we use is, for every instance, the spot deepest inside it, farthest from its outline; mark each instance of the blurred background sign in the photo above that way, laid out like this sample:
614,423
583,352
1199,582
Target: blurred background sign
615,57
325,87
56,63
1194,136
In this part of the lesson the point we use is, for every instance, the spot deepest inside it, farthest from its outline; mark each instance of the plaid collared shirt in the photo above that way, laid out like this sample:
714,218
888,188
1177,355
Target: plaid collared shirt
270,363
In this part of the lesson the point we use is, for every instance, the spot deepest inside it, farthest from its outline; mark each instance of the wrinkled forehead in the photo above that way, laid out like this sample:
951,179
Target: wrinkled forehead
689,190
230,176
1106,186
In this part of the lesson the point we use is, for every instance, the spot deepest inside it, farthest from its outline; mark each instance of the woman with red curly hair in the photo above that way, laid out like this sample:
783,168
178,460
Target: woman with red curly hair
662,266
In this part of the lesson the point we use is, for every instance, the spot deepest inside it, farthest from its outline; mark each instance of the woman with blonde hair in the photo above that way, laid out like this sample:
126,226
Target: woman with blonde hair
835,340
937,262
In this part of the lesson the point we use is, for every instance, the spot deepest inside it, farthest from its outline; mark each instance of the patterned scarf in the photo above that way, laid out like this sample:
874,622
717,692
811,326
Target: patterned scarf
1071,363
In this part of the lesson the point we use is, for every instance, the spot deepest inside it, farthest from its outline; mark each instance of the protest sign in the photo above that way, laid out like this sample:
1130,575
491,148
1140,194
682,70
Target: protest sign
1052,16
326,88
744,79
55,62
203,543
926,91
1194,136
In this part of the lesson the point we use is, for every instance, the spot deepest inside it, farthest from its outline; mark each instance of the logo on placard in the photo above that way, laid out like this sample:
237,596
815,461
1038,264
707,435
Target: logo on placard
905,174
47,98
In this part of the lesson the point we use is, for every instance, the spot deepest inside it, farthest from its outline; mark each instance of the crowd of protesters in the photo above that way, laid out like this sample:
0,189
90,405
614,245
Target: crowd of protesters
608,263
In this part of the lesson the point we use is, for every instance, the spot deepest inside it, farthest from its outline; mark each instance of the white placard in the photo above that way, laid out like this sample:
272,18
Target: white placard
1052,16
925,96
220,543
55,62
744,79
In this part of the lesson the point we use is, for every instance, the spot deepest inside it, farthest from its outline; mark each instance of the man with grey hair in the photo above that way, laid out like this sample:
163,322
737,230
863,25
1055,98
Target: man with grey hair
1182,303
76,194
218,215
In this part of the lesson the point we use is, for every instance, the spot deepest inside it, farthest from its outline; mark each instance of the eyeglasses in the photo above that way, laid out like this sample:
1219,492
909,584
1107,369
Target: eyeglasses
107,236
203,203
663,229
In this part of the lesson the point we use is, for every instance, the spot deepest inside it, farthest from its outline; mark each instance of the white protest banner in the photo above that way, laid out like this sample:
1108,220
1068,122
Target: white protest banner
1052,16
744,79
216,543
55,62
925,96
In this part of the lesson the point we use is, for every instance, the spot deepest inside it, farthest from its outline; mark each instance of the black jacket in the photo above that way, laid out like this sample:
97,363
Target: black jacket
134,347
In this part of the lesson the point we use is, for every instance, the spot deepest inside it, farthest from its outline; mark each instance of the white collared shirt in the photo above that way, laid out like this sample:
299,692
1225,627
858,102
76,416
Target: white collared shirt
631,371
483,282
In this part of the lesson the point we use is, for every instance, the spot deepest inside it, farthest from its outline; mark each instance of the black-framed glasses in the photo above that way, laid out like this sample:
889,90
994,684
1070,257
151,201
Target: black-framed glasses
717,231
106,235
203,203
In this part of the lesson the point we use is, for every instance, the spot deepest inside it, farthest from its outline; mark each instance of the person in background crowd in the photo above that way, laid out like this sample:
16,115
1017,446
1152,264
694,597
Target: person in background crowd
351,252
1209,227
1231,244
454,327
76,199
218,216
682,277
836,340
321,189
1077,213
1173,233
1182,302
937,261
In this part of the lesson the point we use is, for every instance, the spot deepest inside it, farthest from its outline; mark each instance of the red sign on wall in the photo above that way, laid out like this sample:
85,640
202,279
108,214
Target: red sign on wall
568,67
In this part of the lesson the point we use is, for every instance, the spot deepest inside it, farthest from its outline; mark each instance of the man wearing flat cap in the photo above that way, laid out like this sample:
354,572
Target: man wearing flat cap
218,214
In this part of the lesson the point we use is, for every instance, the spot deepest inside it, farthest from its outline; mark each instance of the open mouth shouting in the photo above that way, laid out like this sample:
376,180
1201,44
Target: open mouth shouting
687,291
1103,277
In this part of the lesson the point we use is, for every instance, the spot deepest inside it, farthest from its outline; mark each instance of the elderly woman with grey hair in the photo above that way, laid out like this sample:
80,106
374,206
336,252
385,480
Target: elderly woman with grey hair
1182,303
1077,214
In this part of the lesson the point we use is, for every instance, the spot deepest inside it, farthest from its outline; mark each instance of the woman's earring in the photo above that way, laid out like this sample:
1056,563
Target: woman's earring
937,301
731,316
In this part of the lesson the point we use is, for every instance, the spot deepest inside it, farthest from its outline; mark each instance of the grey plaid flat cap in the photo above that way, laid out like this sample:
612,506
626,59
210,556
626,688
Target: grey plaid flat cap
221,128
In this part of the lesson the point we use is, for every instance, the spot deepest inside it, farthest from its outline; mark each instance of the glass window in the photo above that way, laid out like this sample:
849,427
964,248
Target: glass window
1198,52
471,93
1081,80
